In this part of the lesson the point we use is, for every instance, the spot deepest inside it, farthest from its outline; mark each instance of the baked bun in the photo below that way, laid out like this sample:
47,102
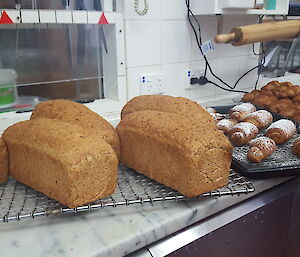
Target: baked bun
260,149
248,97
280,105
296,147
218,116
211,110
240,111
260,119
264,101
296,99
296,89
296,116
288,111
271,85
281,131
242,133
286,84
226,125
266,92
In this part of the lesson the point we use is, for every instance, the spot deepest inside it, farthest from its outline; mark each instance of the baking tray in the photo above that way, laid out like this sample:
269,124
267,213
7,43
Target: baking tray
18,201
281,163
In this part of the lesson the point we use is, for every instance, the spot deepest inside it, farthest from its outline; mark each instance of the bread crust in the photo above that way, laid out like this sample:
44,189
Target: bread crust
169,104
3,161
179,152
80,115
61,160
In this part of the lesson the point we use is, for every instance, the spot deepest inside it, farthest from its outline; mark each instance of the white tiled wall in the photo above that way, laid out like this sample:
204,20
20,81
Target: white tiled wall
163,40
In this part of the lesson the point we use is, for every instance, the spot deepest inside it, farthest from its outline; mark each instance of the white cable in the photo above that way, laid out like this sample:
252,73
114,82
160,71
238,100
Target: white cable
137,9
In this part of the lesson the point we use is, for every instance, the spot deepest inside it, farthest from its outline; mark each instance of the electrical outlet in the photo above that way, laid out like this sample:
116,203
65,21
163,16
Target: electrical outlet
192,73
152,83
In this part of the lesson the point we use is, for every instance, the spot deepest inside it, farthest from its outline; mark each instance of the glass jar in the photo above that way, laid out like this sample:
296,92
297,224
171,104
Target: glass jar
8,90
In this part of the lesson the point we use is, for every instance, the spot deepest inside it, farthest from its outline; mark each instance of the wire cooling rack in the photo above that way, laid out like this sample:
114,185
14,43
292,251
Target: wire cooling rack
17,201
281,163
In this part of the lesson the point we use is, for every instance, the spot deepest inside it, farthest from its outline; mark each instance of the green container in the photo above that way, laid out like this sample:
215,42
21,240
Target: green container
271,5
8,90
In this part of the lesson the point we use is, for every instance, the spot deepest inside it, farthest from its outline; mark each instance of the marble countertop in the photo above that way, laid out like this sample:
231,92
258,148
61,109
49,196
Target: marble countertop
112,231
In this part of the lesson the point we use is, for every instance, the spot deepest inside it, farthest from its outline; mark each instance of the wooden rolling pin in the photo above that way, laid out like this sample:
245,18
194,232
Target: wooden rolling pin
260,32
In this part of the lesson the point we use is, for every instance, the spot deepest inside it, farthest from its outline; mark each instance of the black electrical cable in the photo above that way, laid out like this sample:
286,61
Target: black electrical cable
253,51
199,45
262,62
226,89
198,40
205,71
207,65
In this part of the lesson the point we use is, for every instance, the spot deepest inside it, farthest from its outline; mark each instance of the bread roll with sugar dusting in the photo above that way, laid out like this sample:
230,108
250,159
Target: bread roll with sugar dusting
240,111
226,125
296,147
281,131
260,149
242,133
260,119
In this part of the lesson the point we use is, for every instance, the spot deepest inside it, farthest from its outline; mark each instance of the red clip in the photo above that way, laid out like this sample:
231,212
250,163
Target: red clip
103,19
5,19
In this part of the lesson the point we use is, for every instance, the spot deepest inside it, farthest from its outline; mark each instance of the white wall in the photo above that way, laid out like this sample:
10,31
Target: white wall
163,41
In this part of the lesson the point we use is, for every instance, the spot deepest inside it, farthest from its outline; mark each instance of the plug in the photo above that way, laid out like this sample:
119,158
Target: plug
202,80
194,81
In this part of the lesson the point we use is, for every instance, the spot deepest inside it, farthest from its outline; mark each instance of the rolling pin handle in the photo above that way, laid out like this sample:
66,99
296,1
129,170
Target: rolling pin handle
225,38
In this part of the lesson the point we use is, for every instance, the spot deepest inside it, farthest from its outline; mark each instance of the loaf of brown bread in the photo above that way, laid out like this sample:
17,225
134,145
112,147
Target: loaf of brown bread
185,154
3,161
169,104
79,114
61,160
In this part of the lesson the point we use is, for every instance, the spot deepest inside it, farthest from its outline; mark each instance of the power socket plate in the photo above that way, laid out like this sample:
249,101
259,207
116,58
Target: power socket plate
152,83
191,73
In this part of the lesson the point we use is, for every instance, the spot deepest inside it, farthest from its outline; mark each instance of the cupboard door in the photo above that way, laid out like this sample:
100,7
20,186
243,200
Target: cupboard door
261,233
